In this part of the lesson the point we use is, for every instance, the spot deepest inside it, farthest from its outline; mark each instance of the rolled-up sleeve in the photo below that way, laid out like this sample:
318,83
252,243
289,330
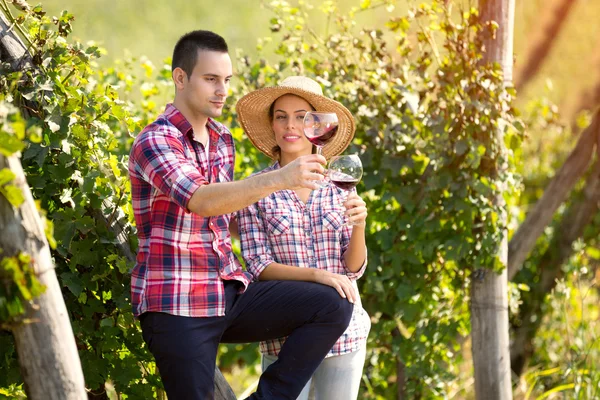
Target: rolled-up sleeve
254,242
159,158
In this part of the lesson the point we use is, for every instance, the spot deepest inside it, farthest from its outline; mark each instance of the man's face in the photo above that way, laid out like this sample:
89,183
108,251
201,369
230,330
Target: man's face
205,91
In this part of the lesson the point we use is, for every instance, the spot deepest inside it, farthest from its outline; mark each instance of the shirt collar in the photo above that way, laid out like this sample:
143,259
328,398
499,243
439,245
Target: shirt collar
175,117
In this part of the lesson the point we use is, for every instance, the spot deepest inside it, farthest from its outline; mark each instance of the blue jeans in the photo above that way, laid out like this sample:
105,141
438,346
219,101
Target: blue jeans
337,377
185,348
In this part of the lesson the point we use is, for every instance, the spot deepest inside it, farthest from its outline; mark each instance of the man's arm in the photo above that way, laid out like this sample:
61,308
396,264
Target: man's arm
227,197
159,158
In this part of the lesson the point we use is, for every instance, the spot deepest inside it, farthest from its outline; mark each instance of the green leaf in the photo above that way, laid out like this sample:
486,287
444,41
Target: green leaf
85,224
10,144
420,163
523,287
73,282
123,266
398,24
35,134
13,194
593,252
6,176
36,151
404,291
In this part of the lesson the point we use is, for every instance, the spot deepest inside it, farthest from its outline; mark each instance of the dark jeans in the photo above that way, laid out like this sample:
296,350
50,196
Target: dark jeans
185,348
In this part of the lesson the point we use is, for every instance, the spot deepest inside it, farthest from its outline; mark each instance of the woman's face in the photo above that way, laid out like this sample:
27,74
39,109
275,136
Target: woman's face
288,114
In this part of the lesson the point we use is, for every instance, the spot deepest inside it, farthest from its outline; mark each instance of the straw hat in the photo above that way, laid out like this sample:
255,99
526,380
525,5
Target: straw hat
253,114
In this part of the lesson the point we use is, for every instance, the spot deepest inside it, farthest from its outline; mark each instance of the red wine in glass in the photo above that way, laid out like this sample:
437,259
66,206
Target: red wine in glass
328,134
320,127
343,181
345,172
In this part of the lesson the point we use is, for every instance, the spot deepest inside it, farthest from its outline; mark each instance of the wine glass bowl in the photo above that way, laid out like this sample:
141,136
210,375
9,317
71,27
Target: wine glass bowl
320,127
345,171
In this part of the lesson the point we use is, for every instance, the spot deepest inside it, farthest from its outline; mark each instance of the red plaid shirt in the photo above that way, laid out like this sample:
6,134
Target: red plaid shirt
281,228
182,257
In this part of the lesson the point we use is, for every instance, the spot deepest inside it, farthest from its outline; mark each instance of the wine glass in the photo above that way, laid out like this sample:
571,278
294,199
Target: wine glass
320,128
345,172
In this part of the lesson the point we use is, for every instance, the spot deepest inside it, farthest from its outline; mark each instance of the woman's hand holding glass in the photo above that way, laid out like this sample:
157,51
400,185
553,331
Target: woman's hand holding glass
345,172
356,210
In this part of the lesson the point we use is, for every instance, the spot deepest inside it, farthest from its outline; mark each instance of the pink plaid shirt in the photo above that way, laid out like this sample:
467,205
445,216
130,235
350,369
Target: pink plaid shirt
182,257
281,228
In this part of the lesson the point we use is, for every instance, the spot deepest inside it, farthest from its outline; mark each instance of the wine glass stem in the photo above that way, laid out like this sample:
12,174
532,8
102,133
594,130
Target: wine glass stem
324,182
346,194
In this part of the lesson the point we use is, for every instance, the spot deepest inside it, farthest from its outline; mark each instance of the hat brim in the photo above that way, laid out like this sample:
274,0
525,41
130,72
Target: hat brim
253,115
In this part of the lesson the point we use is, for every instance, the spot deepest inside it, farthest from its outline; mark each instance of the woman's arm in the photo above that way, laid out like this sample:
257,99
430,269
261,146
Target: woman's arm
356,253
260,262
281,272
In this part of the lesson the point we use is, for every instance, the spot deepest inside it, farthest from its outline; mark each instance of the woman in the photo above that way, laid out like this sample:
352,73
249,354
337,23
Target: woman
301,235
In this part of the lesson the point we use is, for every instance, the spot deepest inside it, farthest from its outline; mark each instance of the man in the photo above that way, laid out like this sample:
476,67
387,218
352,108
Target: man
188,289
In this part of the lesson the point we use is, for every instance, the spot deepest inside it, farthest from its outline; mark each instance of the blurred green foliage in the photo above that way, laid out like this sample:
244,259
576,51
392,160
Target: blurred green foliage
151,28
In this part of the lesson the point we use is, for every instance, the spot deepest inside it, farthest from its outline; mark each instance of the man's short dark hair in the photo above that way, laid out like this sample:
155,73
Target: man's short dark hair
187,48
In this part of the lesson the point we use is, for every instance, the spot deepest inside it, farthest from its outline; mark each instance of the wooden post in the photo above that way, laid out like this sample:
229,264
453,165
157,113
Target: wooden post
489,291
45,344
